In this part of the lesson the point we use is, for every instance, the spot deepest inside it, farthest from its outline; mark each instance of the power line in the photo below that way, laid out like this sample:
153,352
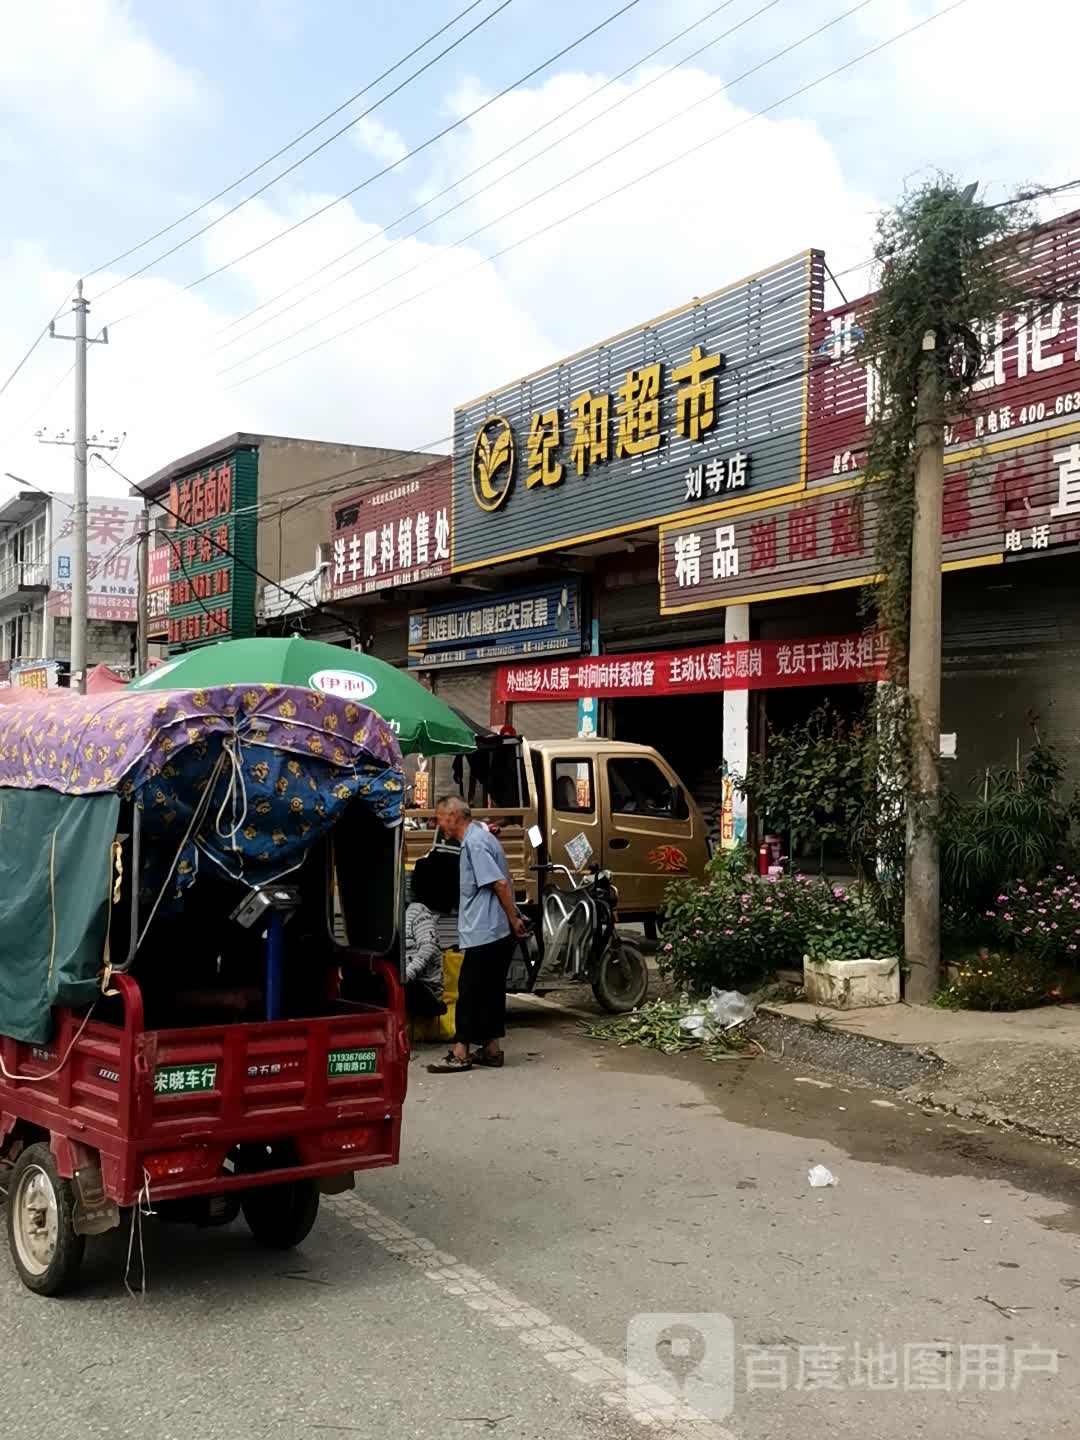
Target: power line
386,169
602,199
430,200
165,254
190,214
566,180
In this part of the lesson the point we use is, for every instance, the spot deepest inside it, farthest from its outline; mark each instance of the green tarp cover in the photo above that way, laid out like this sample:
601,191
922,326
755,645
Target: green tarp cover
54,892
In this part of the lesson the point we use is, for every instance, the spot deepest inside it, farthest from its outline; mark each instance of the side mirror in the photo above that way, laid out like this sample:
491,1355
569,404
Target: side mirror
680,810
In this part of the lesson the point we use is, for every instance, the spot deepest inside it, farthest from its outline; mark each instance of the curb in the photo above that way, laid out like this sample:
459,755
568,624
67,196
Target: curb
886,1063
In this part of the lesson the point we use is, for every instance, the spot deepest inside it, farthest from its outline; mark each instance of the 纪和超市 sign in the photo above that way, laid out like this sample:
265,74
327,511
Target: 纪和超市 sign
704,404
739,665
393,534
541,620
1020,433
213,519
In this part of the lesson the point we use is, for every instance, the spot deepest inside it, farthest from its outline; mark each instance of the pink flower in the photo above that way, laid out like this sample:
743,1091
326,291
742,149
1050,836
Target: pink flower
667,948
729,932
1002,899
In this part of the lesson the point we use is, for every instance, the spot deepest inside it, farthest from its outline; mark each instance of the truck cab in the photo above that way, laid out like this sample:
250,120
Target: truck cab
603,802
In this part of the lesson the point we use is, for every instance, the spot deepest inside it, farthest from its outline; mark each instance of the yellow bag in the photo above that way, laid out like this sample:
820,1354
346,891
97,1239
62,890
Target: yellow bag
442,1027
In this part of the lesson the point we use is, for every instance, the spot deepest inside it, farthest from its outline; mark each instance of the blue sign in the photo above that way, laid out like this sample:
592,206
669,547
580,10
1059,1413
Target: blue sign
542,620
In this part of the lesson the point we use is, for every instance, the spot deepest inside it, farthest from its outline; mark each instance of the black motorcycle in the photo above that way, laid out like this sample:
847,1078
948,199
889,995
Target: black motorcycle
579,942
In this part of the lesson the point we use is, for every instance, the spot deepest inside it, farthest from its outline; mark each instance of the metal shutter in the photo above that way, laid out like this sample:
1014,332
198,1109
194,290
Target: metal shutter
468,690
1010,655
545,719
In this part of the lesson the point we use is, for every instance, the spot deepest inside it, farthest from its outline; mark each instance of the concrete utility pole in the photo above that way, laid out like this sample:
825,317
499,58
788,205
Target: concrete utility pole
922,912
142,640
81,308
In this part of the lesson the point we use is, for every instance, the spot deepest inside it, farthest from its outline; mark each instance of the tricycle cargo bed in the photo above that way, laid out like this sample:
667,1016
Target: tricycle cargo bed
217,1108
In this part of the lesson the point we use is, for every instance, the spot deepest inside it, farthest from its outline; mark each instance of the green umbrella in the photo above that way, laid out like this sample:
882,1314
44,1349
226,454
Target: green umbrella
422,723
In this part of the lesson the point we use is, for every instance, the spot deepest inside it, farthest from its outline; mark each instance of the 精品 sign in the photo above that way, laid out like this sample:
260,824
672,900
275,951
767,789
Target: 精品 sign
540,621
393,534
112,568
213,519
702,406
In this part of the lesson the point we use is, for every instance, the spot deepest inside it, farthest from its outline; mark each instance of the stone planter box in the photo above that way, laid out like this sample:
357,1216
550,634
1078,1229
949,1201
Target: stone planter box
851,984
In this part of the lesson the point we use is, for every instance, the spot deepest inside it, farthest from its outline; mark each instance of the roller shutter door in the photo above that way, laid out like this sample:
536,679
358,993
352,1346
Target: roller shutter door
545,720
1011,658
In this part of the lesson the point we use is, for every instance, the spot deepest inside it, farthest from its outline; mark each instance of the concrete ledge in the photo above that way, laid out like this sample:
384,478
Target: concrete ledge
845,1051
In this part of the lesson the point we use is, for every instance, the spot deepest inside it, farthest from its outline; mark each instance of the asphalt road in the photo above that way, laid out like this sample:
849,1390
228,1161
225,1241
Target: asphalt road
487,1285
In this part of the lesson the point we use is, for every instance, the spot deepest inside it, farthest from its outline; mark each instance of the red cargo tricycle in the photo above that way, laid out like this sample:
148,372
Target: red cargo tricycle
201,1007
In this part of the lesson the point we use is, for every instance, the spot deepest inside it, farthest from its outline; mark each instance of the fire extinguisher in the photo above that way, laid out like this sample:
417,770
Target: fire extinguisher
763,859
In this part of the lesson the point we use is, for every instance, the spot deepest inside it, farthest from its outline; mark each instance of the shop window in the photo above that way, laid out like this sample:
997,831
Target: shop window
572,791
640,787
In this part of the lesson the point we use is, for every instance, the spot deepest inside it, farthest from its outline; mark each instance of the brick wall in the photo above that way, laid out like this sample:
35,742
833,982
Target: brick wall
108,642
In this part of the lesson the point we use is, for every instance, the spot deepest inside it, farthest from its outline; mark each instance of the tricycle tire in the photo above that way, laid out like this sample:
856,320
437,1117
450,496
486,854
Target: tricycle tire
281,1216
622,982
40,1224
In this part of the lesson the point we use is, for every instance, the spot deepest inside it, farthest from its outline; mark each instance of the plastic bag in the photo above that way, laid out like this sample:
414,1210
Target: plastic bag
819,1177
696,1023
727,1008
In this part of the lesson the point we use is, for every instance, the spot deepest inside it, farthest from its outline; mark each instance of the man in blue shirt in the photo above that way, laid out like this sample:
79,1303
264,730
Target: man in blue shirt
488,926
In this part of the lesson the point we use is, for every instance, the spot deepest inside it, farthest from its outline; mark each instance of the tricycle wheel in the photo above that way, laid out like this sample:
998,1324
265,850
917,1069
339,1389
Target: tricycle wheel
40,1210
281,1216
623,979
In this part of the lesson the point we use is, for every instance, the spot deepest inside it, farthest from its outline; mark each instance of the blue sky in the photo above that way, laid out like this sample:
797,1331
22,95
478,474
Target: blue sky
117,117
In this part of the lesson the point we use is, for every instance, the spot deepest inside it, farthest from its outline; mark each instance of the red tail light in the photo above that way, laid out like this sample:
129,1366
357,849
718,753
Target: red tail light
351,1141
169,1163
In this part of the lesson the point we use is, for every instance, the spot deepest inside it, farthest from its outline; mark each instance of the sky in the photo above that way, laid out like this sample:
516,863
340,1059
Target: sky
610,183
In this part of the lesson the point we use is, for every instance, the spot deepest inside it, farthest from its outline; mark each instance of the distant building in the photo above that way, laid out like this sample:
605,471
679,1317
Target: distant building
35,585
242,525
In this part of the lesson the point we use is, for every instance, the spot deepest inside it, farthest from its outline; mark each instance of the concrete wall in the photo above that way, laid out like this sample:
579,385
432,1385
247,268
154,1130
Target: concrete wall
108,642
297,470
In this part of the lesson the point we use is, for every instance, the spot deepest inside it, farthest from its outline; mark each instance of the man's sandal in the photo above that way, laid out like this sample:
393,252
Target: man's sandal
450,1066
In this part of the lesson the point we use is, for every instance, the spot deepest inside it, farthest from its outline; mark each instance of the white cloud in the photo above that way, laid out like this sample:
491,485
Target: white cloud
83,69
768,189
380,140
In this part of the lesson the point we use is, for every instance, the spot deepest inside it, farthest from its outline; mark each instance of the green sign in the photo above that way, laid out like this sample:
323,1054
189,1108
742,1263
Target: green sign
350,1062
184,1079
213,523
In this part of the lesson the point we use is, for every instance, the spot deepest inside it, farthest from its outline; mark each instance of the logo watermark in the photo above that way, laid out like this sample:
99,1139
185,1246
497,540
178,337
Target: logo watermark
683,1367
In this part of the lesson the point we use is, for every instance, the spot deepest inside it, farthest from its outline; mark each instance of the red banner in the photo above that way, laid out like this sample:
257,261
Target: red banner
743,665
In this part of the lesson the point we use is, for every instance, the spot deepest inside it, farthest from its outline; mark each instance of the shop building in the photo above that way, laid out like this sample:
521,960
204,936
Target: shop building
702,476
35,586
247,512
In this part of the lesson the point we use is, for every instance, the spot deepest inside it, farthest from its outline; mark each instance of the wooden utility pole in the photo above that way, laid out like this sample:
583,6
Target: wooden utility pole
922,911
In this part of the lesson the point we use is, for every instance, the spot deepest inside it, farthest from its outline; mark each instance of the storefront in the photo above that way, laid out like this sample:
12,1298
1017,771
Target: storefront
1010,517
699,411
457,647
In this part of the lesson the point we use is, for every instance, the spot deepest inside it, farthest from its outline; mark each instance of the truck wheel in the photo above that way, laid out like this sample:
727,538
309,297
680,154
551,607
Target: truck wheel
623,980
281,1216
40,1210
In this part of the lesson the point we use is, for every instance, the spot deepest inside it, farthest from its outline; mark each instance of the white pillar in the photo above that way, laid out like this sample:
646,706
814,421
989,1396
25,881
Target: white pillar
736,734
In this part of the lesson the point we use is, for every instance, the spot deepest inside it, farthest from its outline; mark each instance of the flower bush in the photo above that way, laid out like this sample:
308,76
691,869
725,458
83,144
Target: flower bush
1041,918
737,928
993,981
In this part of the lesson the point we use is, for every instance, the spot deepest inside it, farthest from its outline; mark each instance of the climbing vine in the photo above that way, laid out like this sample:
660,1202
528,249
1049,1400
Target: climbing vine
939,259
948,268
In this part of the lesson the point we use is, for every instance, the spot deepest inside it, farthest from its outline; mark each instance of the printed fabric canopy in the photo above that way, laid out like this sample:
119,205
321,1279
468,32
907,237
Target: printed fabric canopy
86,745
246,777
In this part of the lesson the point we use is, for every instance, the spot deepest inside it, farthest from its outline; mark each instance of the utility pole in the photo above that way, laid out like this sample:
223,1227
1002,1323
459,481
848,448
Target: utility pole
142,640
81,308
922,912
